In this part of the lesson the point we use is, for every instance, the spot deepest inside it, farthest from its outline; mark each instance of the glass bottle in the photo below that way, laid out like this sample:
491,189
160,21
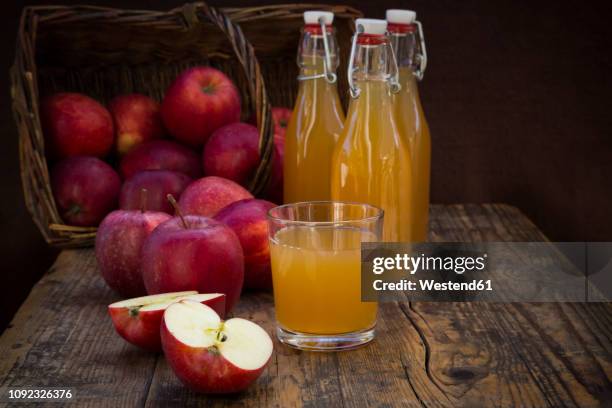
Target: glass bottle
406,37
372,163
317,118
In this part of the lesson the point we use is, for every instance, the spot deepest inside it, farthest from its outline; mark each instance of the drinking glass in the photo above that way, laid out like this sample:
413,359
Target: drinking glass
315,249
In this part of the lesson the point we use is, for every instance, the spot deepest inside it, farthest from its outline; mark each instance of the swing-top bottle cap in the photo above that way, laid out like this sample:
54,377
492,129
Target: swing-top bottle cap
397,16
313,16
372,26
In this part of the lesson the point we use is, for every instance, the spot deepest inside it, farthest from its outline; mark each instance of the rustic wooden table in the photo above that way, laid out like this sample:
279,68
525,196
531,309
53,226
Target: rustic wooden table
425,354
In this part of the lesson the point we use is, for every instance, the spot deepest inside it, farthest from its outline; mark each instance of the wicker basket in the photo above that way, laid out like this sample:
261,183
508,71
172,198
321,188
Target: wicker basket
104,52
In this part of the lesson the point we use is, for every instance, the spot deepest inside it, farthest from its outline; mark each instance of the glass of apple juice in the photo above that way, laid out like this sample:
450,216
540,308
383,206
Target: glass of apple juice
315,249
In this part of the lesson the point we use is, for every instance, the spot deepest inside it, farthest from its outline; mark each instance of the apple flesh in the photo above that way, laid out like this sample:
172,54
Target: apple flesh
232,152
76,125
194,253
161,155
248,219
199,101
137,120
158,184
85,190
213,356
138,320
118,248
208,195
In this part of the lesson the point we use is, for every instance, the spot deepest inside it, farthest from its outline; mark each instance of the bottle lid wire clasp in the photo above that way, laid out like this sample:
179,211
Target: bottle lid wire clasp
327,74
353,89
394,84
420,71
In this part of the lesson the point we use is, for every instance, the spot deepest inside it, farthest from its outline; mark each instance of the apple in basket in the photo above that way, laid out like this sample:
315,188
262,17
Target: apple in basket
198,102
232,152
161,155
138,320
76,125
210,355
274,188
137,120
158,183
85,190
280,118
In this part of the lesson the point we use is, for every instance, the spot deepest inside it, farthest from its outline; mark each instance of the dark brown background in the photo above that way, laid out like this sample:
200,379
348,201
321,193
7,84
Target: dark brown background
517,95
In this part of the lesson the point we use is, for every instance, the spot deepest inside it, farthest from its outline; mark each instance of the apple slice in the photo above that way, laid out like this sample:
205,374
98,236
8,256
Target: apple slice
137,320
210,355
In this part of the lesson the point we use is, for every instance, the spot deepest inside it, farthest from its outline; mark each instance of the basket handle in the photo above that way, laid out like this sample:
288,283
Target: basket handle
258,100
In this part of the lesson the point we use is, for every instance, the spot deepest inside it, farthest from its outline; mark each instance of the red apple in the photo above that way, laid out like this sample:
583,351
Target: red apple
85,190
213,356
138,320
274,188
194,253
208,195
118,247
232,152
161,155
248,219
280,118
199,101
76,125
158,184
137,120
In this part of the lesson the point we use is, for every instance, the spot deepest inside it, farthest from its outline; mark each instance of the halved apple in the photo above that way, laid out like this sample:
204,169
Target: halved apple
210,355
137,320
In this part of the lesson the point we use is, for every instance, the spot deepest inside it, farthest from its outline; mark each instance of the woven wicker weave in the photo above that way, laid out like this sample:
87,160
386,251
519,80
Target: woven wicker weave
104,52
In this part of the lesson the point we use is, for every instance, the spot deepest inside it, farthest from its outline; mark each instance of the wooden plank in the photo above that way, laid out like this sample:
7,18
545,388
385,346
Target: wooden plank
62,337
425,354
507,354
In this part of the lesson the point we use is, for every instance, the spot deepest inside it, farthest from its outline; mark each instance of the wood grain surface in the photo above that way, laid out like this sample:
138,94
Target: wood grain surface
425,354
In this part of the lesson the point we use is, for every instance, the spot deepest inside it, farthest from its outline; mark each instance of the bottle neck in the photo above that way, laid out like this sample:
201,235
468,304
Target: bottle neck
405,44
372,60
312,56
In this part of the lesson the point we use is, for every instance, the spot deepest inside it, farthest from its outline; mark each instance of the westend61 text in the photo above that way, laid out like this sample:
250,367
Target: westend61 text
429,285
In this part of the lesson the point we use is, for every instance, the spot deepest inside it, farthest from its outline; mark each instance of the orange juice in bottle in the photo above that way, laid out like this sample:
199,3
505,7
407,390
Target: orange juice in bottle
408,44
317,119
372,163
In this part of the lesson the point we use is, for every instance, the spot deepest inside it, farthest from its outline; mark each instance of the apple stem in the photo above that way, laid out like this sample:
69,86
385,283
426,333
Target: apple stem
73,210
208,89
143,200
177,210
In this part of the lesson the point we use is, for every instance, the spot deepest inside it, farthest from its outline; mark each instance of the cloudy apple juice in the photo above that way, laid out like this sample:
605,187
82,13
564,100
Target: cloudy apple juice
317,118
317,280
